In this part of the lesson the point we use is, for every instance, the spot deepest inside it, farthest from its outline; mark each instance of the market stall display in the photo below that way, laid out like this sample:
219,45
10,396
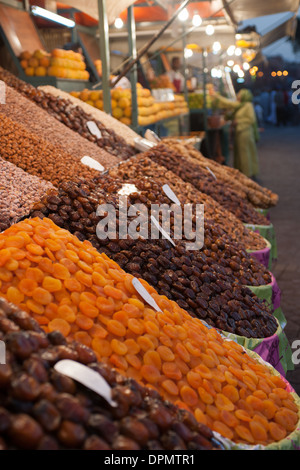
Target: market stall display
149,109
19,191
191,365
40,123
72,117
47,410
58,63
200,282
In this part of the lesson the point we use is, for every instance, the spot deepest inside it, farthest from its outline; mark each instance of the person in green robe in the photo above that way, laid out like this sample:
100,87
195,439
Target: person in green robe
246,133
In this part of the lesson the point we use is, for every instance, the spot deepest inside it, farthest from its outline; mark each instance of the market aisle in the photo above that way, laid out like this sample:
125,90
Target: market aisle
279,152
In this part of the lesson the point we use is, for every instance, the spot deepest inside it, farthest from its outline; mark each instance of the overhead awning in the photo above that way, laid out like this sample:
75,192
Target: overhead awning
286,29
241,10
90,7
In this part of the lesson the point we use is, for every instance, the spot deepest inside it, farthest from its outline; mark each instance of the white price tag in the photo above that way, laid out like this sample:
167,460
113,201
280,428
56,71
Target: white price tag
143,144
90,162
171,195
145,294
94,130
87,377
128,189
211,172
162,231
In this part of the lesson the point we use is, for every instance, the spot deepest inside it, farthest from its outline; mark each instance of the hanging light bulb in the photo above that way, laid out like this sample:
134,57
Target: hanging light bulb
230,63
246,66
238,51
119,23
210,30
216,47
230,50
183,15
197,20
188,53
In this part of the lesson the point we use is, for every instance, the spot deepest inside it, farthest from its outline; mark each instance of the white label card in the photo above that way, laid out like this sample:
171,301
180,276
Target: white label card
94,129
90,162
171,195
87,377
128,189
162,231
145,294
211,172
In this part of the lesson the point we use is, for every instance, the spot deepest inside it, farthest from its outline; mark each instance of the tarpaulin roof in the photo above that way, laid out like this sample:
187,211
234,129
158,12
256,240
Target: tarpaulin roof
286,29
90,7
241,10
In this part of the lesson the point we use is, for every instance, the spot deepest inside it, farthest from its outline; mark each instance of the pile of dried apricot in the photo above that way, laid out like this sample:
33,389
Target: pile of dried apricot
67,285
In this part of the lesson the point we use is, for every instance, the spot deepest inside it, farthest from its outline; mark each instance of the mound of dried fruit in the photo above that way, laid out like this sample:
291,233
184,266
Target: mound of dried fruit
205,182
37,121
73,117
68,286
132,170
206,283
255,193
44,410
38,157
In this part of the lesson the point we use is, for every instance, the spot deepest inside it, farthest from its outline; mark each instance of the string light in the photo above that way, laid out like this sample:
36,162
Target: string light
230,50
210,30
119,23
246,66
197,20
216,47
183,15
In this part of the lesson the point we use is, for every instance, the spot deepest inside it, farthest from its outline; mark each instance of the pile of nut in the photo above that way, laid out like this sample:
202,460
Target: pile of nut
139,167
37,121
19,191
205,182
73,117
209,284
41,409
37,156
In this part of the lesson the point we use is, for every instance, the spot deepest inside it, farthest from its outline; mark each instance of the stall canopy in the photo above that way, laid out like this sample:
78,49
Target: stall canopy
286,29
90,7
241,10
144,11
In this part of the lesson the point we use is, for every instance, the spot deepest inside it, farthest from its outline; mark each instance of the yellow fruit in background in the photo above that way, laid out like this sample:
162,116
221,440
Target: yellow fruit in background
85,74
99,104
126,121
117,113
128,112
39,54
40,71
24,64
33,62
58,53
25,55
29,71
116,94
95,95
91,103
114,104
76,94
85,95
124,103
44,62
